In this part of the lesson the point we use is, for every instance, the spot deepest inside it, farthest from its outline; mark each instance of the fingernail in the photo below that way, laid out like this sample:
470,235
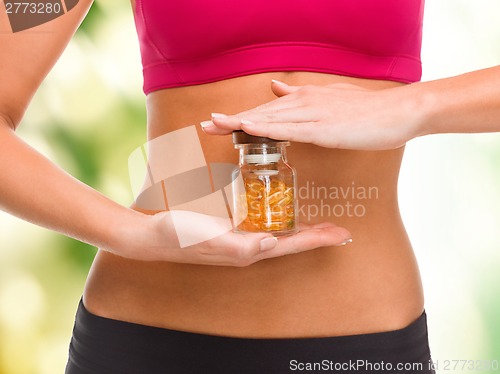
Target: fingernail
206,124
268,243
218,115
247,122
279,82
344,242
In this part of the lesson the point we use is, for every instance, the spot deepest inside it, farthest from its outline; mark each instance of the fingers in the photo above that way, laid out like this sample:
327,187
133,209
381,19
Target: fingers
281,89
243,249
310,239
238,249
297,132
224,127
225,122
222,124
316,236
295,123
283,125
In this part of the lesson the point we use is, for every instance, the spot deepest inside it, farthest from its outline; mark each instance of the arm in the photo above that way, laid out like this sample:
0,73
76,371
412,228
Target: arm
350,117
36,190
32,187
467,103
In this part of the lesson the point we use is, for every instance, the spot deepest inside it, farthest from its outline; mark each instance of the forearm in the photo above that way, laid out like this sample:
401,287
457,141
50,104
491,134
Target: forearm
36,190
468,103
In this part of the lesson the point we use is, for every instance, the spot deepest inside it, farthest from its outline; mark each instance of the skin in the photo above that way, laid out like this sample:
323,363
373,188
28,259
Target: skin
317,289
314,293
349,116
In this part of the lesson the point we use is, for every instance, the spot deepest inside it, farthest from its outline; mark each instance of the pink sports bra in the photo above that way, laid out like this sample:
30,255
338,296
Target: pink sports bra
189,42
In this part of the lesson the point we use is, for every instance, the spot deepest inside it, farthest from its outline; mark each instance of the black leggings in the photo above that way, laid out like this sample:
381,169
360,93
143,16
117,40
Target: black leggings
105,346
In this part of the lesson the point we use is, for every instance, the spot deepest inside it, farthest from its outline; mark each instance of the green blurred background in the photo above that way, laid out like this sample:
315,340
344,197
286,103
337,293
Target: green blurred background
449,189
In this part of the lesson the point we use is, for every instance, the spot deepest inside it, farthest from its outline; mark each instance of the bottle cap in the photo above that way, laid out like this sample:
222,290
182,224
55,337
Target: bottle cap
241,137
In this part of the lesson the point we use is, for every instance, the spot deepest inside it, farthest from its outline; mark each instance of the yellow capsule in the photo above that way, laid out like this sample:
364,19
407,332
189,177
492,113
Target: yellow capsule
254,195
278,210
254,185
254,214
255,204
282,203
272,226
277,184
286,201
274,197
248,225
289,195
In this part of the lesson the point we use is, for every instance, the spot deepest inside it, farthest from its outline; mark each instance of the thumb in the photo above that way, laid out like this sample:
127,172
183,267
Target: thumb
281,89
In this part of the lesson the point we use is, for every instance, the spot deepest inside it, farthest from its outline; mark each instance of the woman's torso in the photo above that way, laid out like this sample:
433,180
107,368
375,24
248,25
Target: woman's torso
370,285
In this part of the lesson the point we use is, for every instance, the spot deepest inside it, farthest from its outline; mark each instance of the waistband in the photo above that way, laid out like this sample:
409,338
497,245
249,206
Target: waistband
107,344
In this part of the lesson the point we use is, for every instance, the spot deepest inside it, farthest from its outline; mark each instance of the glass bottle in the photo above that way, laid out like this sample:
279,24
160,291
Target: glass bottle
264,186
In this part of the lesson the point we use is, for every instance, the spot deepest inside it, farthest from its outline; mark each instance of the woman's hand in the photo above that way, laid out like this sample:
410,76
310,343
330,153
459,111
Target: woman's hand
335,116
157,238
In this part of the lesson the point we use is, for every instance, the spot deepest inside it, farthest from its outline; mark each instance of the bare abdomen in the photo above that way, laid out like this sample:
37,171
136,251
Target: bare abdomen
370,285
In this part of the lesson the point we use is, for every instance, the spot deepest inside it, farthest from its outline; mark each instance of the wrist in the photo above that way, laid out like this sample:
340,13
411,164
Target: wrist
127,233
141,236
423,106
